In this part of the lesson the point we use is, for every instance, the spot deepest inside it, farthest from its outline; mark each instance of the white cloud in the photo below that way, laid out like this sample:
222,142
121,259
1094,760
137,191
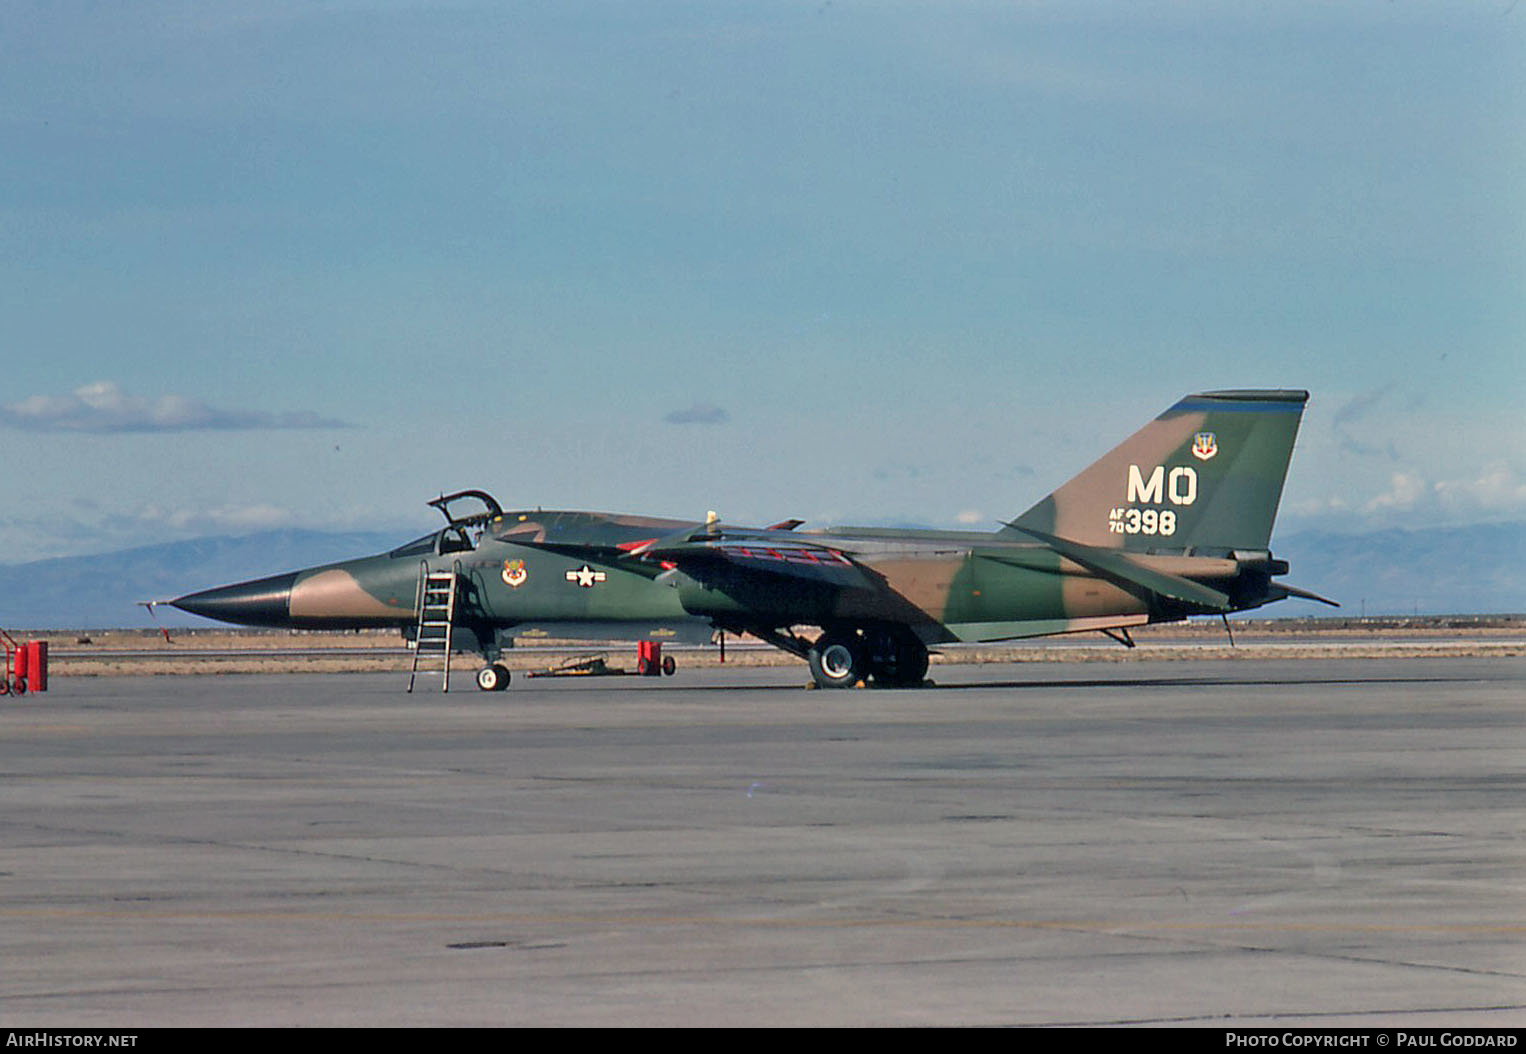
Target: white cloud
218,519
1406,492
1498,490
103,407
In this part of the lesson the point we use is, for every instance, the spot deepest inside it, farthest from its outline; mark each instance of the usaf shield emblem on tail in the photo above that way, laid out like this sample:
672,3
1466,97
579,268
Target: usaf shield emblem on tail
1204,446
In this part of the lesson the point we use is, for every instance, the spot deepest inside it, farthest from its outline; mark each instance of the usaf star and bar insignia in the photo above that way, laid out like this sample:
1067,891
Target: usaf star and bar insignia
585,577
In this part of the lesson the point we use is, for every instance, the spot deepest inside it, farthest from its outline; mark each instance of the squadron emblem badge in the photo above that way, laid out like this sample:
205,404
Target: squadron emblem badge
514,573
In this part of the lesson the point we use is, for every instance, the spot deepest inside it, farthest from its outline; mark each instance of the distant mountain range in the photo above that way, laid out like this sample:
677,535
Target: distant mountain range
1444,570
103,591
1476,570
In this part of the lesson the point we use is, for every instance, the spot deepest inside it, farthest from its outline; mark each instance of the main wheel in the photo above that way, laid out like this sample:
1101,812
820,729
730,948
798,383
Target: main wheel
837,660
494,678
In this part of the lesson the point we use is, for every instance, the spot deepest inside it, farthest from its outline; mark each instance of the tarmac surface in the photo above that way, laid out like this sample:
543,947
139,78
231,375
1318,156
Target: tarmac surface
1261,843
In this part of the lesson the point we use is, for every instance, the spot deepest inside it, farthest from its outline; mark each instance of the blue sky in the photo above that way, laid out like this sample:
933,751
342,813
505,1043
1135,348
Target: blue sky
311,264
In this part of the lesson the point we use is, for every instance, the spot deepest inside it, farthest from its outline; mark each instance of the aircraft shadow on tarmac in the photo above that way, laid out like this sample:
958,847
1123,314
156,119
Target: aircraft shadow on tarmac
1101,683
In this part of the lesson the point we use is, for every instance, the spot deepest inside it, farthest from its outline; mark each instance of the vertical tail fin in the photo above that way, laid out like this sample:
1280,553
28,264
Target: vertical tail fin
1204,476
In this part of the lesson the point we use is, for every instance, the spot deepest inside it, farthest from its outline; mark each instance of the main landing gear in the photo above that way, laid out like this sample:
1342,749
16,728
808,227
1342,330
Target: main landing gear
890,657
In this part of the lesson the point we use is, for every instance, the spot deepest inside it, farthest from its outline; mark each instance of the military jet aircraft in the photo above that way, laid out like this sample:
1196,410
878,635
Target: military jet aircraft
1173,522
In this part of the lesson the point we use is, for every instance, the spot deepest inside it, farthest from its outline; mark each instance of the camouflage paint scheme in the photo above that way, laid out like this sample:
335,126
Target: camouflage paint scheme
1175,521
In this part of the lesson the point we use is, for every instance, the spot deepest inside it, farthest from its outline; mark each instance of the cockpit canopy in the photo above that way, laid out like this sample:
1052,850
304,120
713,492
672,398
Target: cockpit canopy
437,543
461,533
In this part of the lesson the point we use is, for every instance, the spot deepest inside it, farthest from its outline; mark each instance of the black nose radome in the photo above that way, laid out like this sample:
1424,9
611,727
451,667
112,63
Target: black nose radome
262,602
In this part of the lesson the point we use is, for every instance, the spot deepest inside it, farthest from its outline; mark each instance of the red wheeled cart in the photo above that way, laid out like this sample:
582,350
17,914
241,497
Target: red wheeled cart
26,666
650,661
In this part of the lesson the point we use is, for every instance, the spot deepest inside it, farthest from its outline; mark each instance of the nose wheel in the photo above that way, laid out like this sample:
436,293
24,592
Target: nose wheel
494,678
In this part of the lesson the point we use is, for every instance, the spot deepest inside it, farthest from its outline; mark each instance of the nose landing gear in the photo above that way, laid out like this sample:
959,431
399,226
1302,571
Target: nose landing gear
494,678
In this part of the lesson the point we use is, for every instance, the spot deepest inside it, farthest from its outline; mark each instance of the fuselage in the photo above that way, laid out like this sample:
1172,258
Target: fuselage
535,570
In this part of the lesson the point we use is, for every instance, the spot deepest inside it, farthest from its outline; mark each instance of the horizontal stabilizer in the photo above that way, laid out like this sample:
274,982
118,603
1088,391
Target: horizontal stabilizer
1302,594
1115,566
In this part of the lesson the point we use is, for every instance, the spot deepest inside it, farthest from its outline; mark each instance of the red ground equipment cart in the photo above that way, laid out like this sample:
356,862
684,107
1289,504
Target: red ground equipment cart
26,666
650,661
